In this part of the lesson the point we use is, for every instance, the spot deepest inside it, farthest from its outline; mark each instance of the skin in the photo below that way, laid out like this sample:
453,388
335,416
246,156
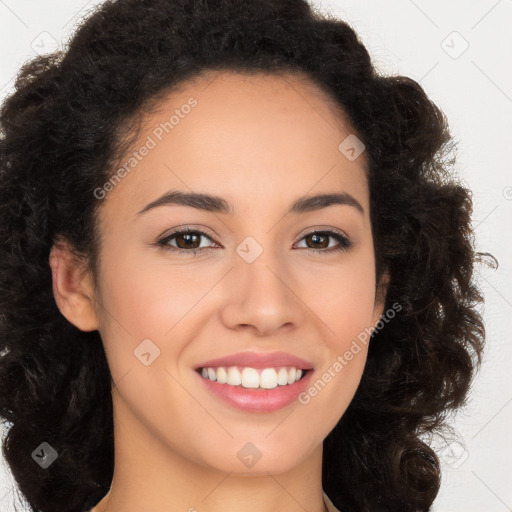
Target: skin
260,142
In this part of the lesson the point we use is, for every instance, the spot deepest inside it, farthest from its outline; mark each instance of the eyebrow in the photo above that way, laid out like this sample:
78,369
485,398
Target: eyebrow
211,203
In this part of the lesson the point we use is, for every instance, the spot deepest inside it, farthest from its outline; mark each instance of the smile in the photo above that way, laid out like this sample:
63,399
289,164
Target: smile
253,378
244,387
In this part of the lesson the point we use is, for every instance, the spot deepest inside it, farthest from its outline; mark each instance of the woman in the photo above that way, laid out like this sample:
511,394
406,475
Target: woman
326,318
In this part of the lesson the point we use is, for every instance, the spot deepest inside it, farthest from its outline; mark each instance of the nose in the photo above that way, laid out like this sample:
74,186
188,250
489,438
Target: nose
260,296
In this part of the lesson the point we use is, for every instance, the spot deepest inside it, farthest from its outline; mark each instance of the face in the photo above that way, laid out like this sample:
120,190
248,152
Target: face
185,282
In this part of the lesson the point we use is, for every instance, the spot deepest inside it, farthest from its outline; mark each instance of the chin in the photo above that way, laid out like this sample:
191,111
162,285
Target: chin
258,457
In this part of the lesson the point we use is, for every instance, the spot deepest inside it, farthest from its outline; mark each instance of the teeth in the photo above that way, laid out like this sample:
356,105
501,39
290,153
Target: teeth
222,376
251,378
234,376
268,378
282,377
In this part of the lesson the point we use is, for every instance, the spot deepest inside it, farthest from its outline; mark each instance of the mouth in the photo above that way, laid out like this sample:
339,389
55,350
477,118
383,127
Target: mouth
255,390
253,378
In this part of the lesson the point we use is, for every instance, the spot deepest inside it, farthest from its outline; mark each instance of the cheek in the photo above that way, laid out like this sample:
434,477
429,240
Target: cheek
149,298
345,307
141,301
147,308
343,297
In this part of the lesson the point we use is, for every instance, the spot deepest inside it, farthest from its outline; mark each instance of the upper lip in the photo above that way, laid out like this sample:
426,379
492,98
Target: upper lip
258,360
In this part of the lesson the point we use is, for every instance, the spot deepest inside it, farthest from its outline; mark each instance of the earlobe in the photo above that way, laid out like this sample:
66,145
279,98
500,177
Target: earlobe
72,288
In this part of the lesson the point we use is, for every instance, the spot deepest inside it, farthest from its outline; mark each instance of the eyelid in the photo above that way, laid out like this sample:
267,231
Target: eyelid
187,228
322,229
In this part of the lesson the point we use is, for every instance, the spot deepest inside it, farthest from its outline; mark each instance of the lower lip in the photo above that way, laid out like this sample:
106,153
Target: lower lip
258,400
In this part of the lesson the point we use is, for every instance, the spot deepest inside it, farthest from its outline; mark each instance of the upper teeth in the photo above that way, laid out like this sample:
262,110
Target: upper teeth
266,378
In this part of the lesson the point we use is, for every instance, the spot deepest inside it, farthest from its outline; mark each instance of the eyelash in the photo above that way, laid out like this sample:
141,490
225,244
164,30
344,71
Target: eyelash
344,241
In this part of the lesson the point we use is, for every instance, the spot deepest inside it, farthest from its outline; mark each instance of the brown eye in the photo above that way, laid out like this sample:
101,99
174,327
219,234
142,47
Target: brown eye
188,240
319,241
185,241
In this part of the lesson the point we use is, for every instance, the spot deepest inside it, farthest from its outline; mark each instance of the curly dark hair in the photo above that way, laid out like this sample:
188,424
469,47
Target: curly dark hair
61,130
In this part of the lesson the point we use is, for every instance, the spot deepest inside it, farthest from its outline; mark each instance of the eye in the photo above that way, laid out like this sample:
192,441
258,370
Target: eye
189,241
186,240
321,238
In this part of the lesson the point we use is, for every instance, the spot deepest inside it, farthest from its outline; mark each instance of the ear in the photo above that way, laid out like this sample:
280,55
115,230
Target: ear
380,297
73,287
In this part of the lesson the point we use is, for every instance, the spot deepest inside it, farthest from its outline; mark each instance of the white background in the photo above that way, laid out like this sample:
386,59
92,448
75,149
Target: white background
427,41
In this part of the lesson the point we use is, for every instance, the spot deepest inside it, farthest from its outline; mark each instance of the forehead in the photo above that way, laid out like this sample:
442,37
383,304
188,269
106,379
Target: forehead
258,136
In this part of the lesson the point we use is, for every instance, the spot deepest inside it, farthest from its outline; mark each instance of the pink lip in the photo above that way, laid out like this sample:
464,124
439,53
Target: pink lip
258,360
258,400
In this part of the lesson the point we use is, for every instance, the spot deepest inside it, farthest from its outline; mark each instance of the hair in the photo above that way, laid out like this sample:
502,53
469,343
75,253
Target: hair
63,128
